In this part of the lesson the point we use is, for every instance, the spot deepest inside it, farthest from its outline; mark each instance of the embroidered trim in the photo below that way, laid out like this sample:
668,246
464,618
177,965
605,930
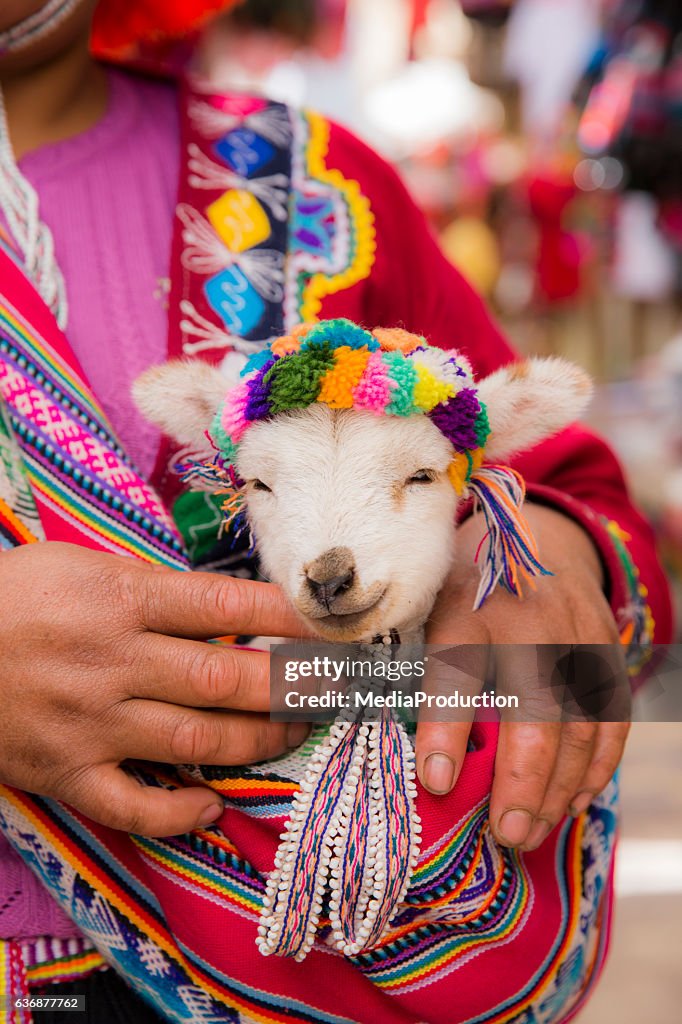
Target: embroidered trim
49,961
635,621
267,228
334,240
72,462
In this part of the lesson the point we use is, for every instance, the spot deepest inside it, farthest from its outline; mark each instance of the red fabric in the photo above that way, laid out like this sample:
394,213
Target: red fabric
120,27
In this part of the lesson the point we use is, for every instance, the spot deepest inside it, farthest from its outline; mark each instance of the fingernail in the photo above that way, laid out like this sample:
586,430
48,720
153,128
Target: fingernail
297,732
514,827
212,813
537,834
580,803
439,773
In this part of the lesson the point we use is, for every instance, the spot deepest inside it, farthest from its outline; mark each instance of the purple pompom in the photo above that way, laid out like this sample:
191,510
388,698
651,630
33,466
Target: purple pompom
258,404
456,419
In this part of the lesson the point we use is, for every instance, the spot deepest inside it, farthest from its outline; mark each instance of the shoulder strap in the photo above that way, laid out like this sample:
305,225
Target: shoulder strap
85,488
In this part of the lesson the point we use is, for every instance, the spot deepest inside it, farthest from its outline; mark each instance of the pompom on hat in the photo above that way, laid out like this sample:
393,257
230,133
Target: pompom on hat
388,372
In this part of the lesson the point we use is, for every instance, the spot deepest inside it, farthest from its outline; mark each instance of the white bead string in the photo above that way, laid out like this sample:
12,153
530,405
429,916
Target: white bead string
18,199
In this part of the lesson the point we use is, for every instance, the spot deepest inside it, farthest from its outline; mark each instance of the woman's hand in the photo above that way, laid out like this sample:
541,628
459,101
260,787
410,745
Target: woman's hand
542,769
101,662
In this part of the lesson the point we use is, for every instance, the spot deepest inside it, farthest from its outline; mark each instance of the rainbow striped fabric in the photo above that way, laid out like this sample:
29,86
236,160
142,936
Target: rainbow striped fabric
73,463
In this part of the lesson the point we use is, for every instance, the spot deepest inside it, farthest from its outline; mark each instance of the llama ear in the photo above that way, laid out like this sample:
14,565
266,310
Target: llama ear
181,398
530,401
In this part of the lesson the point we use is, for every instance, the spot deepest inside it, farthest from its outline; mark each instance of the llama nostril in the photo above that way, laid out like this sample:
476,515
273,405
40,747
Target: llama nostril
326,591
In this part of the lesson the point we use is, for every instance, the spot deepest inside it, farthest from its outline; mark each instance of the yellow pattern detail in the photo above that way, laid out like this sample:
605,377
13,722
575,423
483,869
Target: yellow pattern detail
363,239
239,220
11,517
67,968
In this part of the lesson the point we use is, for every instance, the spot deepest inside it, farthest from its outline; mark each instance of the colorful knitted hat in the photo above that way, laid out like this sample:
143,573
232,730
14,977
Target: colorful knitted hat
388,372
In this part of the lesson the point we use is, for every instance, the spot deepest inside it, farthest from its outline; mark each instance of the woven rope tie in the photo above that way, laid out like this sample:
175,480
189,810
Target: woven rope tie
18,199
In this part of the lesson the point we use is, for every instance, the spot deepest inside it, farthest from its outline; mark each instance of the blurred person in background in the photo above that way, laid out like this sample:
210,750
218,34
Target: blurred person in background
143,215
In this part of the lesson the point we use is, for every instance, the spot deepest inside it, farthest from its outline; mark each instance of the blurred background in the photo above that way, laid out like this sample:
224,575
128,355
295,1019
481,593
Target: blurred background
543,140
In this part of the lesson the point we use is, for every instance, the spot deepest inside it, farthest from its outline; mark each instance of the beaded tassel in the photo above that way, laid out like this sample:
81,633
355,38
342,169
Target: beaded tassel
353,830
293,898
512,552
377,841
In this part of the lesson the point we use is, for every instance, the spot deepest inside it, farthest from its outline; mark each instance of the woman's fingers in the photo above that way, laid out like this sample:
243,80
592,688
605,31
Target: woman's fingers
199,674
441,743
198,605
153,731
606,756
109,795
524,764
576,746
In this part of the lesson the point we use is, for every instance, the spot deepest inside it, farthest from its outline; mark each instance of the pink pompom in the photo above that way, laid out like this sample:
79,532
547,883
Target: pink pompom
373,390
233,419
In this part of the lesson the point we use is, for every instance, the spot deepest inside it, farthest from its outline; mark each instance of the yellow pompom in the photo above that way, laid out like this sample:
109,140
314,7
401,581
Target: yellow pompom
457,472
462,466
476,459
428,390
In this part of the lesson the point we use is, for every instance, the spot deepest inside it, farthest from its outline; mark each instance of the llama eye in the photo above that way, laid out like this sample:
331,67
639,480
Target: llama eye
422,476
258,485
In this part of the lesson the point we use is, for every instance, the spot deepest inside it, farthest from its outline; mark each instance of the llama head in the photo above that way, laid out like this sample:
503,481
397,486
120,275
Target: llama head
354,456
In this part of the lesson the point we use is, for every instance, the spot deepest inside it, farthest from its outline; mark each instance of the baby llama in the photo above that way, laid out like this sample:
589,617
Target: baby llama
346,454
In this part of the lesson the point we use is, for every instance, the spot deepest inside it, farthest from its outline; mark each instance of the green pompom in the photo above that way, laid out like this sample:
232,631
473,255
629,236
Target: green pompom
222,441
482,425
403,372
294,380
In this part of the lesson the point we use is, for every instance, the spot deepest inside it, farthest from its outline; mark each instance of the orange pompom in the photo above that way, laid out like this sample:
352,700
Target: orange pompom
300,330
396,339
336,387
285,345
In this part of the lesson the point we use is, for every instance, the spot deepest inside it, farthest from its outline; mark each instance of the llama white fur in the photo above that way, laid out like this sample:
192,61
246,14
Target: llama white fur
346,495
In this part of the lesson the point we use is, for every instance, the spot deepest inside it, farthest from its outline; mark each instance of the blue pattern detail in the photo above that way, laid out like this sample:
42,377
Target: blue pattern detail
244,151
235,300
